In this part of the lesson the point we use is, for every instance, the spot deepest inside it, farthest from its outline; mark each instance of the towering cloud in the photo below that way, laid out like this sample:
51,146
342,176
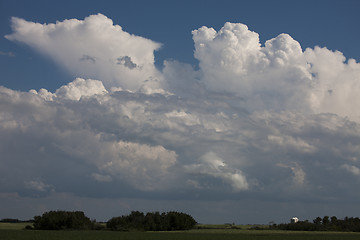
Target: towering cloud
279,75
336,82
93,48
232,60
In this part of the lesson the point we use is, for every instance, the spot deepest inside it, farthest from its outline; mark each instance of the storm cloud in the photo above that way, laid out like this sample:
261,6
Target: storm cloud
266,123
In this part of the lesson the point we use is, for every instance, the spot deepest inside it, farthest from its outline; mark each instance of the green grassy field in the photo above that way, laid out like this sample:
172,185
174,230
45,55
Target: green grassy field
15,233
13,226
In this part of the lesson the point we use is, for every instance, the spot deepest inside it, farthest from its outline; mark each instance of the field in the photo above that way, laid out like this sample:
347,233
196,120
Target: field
15,232
13,226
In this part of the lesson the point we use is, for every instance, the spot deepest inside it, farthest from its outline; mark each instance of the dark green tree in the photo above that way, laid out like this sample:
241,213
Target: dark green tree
317,221
117,223
323,224
57,220
152,222
325,220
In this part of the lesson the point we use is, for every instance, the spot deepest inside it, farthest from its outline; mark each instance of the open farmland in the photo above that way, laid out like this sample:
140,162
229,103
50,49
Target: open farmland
196,234
13,226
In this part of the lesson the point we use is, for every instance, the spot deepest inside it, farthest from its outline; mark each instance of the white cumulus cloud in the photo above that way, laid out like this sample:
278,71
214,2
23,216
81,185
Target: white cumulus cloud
74,90
93,48
213,166
233,60
278,75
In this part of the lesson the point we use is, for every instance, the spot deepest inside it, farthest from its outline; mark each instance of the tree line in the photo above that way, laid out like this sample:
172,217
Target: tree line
67,220
153,221
168,221
348,224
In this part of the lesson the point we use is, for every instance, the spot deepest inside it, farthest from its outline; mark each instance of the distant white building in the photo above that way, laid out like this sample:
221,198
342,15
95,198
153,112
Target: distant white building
294,220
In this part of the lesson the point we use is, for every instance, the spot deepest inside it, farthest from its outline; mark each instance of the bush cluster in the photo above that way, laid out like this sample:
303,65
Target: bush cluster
152,222
323,224
62,220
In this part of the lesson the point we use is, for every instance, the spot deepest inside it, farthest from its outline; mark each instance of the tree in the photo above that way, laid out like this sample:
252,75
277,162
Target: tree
317,220
333,220
117,223
325,220
152,222
57,220
323,224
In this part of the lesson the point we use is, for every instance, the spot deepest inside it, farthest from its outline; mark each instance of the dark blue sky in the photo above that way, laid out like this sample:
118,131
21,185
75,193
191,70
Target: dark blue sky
333,24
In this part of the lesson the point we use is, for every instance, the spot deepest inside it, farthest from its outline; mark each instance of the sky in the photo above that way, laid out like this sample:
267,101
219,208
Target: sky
231,111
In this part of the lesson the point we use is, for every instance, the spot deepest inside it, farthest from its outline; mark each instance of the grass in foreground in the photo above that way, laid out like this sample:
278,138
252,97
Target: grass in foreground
201,234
